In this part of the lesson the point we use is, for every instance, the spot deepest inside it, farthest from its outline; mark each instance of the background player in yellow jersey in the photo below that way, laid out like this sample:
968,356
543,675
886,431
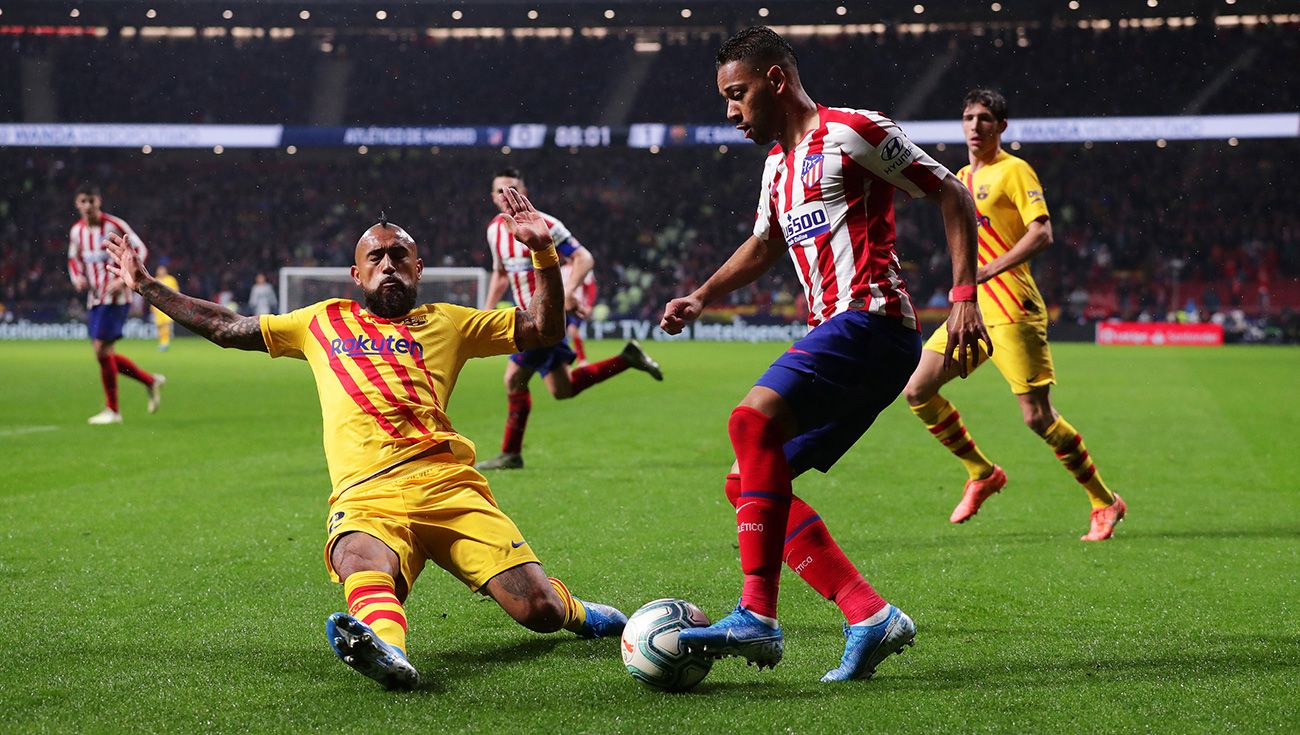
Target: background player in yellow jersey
1014,226
404,485
160,318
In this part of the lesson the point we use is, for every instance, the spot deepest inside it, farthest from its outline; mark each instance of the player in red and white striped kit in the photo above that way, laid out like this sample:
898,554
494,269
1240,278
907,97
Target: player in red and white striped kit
512,266
827,200
106,298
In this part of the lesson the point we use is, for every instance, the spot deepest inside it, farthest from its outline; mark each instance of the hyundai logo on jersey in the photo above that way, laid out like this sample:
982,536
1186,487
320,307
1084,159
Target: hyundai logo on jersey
892,148
812,170
360,346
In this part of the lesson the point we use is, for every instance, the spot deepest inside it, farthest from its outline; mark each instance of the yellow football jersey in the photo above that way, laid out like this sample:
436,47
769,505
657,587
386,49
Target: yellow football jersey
1007,197
383,384
170,282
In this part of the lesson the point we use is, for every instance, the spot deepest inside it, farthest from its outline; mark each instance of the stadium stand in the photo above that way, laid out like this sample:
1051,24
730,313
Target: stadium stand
1124,215
406,78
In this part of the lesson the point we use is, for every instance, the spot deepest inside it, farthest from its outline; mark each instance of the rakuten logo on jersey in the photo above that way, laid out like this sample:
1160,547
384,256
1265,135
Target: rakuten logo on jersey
362,346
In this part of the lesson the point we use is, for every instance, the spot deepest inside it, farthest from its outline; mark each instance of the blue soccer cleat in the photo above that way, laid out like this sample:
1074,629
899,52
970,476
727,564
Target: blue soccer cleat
739,634
603,621
868,645
357,646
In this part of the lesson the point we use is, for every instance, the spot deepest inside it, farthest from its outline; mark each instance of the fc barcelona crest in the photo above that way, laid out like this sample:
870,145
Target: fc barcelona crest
812,170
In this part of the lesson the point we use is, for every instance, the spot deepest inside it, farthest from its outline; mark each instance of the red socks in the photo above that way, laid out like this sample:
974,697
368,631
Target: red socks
130,370
520,404
763,505
579,348
108,376
589,375
109,367
813,555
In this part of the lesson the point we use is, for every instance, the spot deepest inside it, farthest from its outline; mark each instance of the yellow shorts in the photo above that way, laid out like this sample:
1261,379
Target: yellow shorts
442,511
1020,351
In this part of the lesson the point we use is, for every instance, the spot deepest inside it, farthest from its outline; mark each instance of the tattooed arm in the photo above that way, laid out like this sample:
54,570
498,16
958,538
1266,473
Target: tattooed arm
217,324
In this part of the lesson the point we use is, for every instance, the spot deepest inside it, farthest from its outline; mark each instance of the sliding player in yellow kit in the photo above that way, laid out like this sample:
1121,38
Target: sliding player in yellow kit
1014,226
405,490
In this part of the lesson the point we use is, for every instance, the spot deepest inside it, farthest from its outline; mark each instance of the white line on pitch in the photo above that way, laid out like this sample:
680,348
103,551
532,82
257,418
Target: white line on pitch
19,430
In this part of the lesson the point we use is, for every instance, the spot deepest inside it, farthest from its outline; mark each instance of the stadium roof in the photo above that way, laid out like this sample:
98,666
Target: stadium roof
609,13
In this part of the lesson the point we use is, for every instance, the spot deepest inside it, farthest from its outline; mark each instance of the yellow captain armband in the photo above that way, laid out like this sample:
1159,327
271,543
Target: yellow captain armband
547,258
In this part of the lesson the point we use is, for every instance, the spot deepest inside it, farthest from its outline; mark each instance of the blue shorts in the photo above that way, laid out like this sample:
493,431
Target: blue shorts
838,379
545,359
107,320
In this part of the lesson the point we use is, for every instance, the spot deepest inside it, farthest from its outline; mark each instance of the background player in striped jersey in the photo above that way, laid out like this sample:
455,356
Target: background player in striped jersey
404,487
107,300
576,318
512,267
827,200
1014,226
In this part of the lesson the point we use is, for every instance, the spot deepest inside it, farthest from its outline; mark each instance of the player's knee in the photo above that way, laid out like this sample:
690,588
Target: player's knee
1039,421
918,392
561,392
542,613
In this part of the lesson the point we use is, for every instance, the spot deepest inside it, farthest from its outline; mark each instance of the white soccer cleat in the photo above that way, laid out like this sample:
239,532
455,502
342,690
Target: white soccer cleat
155,392
107,416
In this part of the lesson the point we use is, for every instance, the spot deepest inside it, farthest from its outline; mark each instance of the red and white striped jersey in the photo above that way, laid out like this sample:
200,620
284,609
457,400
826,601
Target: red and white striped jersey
831,200
88,257
513,257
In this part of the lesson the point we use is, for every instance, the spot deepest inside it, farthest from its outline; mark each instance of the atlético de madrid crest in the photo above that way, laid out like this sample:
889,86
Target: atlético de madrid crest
812,170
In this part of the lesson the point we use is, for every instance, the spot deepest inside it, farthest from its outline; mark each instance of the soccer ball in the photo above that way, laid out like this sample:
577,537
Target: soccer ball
650,650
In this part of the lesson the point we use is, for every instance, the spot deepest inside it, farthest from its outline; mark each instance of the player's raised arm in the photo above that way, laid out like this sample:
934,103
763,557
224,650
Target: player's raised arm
215,323
542,324
751,260
965,324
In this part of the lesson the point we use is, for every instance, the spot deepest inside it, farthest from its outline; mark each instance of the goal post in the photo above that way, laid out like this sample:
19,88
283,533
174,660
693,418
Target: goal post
301,285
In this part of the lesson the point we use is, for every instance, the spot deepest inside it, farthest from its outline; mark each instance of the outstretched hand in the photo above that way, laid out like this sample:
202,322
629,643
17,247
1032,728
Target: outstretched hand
524,223
680,312
126,263
965,332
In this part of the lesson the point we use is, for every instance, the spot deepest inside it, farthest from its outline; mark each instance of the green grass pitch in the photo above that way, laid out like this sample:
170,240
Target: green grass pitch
165,575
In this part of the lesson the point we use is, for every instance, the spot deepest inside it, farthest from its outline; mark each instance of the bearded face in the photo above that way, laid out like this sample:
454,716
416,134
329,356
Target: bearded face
392,299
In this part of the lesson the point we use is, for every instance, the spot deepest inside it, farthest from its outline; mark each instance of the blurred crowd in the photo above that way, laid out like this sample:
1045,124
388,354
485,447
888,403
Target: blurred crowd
413,79
1142,233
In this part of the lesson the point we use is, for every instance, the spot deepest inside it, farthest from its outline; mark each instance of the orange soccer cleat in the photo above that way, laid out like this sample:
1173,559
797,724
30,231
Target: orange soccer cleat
1105,519
977,491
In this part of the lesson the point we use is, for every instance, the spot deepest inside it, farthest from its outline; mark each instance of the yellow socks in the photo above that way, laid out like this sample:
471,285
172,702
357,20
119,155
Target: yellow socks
373,601
164,334
1069,448
575,615
946,425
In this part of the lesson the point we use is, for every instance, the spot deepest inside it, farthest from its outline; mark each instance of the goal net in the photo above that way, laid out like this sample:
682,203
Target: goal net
300,286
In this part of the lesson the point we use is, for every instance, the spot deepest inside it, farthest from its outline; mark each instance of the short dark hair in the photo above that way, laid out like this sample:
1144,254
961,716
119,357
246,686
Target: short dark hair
87,188
759,45
996,103
509,172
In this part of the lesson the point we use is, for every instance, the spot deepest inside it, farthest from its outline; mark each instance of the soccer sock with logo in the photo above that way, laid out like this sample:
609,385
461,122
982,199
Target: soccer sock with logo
575,615
813,554
131,370
943,421
589,375
763,506
373,601
1069,448
108,376
520,404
